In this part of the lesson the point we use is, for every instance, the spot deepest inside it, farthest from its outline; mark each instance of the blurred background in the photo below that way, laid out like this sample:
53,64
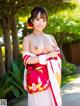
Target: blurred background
63,24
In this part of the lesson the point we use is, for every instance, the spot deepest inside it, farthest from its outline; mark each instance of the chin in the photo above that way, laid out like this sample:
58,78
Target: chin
39,30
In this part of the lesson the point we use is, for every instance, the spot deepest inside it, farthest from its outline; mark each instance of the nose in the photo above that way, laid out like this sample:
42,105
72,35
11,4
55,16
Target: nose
40,22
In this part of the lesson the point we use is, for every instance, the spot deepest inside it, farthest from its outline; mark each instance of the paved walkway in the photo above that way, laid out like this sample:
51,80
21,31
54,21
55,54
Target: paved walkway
70,95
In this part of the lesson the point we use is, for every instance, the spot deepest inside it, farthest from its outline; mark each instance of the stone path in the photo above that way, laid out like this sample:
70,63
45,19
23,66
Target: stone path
71,93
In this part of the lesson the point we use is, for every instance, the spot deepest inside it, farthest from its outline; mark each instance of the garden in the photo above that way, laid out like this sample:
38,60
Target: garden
63,24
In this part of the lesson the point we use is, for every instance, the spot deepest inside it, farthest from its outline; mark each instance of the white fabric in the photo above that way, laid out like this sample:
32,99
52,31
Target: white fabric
24,79
42,59
55,65
42,98
54,83
59,61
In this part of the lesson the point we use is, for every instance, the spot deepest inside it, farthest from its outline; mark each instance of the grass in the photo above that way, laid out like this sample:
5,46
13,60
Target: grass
67,79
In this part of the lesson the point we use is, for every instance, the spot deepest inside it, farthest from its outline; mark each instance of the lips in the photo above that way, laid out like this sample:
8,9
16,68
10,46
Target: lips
40,26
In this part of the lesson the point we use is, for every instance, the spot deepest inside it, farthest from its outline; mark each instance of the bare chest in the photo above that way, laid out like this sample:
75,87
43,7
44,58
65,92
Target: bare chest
41,45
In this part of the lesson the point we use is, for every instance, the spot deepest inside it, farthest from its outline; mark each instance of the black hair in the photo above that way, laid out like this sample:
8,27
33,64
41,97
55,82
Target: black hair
35,12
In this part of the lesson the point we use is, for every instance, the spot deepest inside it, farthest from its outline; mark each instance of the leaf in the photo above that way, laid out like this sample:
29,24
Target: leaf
17,79
16,92
5,81
5,91
16,69
20,88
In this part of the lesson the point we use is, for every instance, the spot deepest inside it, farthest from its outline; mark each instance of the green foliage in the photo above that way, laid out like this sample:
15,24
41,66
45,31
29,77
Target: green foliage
12,82
17,77
5,86
68,68
66,79
65,18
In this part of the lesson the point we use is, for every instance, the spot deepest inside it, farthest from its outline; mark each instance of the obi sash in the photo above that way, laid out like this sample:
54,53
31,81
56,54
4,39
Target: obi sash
35,76
43,76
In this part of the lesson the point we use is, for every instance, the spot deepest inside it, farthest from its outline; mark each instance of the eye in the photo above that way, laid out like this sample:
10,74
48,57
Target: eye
37,19
44,20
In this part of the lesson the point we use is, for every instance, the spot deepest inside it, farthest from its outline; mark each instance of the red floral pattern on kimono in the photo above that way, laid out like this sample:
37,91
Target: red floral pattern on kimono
37,77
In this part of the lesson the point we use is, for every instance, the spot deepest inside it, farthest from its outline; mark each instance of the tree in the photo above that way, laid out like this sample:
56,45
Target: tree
8,10
14,38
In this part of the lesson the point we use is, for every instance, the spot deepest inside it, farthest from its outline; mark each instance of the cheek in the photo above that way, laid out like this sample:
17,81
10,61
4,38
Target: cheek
35,23
45,24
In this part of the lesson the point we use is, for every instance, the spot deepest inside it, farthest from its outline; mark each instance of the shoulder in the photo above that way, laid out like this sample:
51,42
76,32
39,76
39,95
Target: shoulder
25,44
27,38
50,36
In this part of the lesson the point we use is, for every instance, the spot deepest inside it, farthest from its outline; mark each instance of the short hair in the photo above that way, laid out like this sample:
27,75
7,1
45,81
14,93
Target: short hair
35,11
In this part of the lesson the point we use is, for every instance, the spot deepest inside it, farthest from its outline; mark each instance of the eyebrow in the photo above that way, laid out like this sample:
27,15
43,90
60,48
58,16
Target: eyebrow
41,17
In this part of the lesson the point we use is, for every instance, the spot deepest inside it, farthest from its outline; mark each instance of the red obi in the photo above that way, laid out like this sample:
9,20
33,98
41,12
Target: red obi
37,77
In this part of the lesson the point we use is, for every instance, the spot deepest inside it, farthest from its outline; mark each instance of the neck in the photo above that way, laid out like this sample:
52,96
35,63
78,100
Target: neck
37,33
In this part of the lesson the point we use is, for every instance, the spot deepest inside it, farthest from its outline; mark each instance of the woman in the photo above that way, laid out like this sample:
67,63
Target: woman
41,57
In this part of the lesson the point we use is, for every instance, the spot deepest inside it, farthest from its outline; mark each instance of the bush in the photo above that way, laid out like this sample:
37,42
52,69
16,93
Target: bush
17,77
5,86
11,85
68,68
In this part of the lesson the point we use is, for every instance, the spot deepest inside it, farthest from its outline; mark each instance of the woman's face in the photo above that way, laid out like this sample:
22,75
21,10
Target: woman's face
39,23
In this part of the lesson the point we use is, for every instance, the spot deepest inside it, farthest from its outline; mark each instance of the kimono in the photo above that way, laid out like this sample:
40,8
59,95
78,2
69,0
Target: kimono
40,81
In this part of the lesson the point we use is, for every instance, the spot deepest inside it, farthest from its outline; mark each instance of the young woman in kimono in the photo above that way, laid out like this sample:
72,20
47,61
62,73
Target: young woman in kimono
41,57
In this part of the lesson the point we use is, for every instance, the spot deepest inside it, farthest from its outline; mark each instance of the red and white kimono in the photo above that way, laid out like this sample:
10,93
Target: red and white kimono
40,82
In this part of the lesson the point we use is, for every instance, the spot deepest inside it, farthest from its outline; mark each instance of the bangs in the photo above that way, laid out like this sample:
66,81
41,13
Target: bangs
43,16
42,11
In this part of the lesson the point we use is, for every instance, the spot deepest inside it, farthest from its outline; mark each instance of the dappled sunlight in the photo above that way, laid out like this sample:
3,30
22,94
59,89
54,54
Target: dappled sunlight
70,93
23,18
72,87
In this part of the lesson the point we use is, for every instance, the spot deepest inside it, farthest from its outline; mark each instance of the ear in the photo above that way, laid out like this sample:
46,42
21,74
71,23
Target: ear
32,21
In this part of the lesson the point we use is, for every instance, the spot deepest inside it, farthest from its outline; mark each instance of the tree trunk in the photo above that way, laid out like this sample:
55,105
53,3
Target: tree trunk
15,39
8,53
2,66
